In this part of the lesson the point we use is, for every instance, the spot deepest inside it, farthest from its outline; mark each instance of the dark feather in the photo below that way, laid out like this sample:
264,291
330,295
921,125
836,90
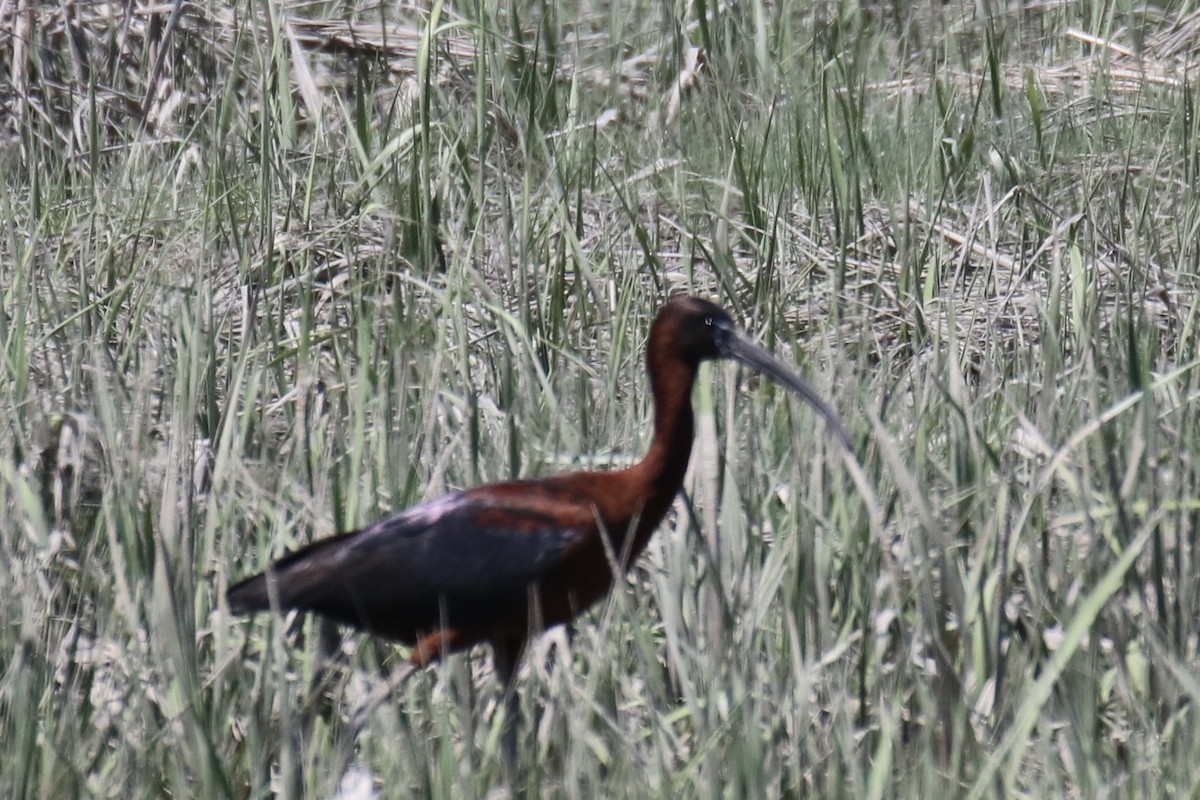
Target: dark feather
464,561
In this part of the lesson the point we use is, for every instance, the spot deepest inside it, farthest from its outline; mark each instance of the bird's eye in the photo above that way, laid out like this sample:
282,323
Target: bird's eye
708,321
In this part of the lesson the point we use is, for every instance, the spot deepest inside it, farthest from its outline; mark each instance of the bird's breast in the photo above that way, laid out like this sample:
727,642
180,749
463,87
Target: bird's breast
584,578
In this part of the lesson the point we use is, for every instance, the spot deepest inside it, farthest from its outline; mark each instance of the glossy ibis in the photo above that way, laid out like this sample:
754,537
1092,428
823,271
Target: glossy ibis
498,563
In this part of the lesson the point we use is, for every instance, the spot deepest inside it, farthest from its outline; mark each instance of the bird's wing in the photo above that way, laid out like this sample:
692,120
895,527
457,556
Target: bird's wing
464,560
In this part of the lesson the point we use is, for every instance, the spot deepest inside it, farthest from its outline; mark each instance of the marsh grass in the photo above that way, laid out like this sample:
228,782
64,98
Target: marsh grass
272,271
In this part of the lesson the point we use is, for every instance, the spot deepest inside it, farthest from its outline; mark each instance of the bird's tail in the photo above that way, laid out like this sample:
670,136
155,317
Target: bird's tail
297,581
249,595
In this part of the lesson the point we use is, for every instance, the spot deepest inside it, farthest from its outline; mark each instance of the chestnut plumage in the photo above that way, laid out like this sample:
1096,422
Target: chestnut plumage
497,563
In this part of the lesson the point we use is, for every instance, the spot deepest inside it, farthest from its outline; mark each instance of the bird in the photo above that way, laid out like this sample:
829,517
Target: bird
498,564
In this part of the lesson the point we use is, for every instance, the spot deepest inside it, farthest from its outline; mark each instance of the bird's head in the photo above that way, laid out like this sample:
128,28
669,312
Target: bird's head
695,330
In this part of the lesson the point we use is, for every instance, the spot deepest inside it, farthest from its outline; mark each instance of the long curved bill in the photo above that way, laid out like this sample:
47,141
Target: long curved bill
738,345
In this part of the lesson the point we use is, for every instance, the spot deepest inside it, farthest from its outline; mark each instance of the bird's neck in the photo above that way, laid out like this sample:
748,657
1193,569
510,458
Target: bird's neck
660,474
666,461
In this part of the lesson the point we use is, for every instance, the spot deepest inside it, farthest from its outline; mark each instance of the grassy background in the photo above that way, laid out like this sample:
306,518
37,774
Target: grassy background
273,270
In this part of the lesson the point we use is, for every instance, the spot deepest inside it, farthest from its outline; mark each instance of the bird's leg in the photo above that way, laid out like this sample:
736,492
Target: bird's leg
506,654
329,659
357,719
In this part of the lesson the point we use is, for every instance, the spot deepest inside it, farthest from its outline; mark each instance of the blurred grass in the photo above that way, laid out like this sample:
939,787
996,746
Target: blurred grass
271,271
